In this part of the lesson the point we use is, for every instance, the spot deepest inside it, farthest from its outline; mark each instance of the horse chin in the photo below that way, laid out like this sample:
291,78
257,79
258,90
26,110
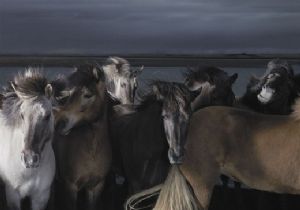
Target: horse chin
175,159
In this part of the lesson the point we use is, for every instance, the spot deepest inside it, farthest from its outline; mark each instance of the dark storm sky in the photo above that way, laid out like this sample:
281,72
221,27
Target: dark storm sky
149,26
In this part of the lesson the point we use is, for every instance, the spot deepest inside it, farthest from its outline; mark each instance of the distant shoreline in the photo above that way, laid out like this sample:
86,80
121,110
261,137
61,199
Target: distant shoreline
228,60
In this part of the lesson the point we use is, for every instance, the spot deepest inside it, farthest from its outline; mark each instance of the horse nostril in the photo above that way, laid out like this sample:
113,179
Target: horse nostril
30,159
35,158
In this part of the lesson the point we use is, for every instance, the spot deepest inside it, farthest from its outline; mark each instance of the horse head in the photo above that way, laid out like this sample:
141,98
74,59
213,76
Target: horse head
121,79
26,104
80,98
176,111
211,86
277,82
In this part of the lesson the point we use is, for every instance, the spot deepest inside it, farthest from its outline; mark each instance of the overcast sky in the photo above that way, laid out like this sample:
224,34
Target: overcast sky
149,26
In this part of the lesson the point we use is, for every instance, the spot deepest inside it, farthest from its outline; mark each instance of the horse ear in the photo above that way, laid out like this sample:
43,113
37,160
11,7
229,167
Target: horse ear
138,71
49,91
233,78
157,92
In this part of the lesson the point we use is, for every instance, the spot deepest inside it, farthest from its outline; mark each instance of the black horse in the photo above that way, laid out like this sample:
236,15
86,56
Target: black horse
274,92
211,87
146,145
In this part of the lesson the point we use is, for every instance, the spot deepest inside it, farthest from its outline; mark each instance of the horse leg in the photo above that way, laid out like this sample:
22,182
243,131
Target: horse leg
39,200
70,196
93,195
13,198
201,183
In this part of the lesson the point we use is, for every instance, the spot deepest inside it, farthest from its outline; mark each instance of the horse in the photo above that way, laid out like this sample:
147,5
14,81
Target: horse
274,93
144,135
82,113
27,164
151,171
211,86
241,149
81,142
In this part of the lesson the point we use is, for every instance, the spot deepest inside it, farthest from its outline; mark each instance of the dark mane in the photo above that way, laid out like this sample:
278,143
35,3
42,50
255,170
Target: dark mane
279,64
30,84
174,93
84,75
211,74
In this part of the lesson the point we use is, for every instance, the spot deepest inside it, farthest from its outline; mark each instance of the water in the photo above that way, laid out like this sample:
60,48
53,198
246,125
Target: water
152,73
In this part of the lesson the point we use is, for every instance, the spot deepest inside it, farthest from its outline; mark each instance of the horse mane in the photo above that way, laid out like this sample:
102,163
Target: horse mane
211,74
277,64
118,65
30,84
176,94
83,76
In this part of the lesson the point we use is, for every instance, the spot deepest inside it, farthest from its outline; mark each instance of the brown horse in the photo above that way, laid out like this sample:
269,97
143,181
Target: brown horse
82,144
235,143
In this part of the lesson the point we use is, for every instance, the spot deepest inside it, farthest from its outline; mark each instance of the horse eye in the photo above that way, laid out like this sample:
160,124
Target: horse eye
123,85
22,116
87,95
47,117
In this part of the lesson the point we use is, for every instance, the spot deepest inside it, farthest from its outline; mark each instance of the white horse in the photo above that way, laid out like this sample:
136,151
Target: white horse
27,163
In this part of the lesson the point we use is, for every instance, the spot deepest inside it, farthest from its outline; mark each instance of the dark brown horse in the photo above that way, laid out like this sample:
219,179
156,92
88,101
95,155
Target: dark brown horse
274,93
84,105
81,145
211,86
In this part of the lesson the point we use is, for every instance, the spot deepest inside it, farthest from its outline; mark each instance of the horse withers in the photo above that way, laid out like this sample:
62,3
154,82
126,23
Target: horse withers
27,164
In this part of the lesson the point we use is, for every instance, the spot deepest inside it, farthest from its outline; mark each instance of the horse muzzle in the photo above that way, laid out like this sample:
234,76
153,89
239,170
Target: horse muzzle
175,158
30,159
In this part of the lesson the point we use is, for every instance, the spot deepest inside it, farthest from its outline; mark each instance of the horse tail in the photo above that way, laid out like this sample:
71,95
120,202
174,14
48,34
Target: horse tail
175,193
134,202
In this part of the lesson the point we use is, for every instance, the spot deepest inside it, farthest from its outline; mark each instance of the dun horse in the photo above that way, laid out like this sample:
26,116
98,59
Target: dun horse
27,164
261,151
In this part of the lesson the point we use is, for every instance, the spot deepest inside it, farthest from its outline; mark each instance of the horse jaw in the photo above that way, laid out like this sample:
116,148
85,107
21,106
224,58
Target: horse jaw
265,95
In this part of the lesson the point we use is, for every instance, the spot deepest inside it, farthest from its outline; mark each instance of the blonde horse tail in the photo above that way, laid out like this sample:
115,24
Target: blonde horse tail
176,193
134,202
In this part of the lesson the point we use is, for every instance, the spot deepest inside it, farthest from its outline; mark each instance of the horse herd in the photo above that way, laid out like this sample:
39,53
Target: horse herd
80,142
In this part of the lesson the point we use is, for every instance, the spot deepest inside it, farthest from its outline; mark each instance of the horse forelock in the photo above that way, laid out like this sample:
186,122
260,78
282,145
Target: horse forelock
117,66
279,64
176,96
30,84
84,76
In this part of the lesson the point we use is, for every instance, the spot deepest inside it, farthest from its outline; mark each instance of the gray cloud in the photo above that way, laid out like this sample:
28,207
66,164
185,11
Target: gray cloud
156,26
